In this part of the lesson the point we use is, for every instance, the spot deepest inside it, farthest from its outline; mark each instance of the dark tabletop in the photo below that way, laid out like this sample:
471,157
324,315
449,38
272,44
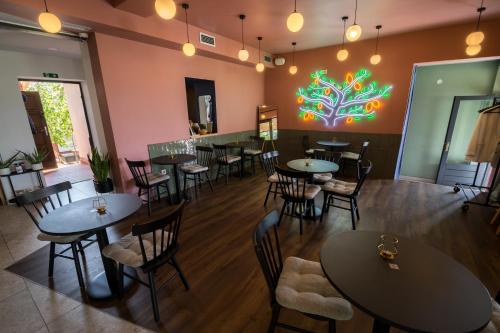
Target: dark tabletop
175,159
316,166
430,293
81,217
333,143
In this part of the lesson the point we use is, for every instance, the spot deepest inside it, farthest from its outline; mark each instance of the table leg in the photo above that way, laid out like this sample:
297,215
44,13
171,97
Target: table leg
380,327
177,187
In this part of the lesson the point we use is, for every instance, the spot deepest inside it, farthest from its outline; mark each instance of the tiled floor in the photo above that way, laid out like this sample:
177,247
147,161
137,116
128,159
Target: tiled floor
70,172
28,307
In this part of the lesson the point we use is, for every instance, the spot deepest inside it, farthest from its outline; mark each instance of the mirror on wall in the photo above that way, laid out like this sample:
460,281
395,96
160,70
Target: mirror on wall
202,110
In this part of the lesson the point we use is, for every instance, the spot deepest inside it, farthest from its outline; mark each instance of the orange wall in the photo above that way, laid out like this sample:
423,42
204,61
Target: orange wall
399,53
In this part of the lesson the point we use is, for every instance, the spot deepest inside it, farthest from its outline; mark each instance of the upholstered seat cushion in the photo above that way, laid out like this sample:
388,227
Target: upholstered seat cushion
229,159
350,155
311,151
322,177
273,178
494,324
155,178
59,239
252,152
128,249
302,286
310,192
193,168
338,186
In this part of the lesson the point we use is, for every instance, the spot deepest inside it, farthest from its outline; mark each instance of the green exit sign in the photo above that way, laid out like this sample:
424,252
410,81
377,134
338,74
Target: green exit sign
51,75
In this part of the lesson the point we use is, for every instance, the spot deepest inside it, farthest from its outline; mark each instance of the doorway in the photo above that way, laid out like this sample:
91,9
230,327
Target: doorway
58,120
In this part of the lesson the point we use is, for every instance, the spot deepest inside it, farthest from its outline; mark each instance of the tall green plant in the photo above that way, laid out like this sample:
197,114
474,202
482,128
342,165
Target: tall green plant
100,165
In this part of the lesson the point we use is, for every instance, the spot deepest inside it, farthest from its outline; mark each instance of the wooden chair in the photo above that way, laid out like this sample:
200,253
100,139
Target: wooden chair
253,150
269,160
297,193
306,146
40,203
149,246
226,161
345,192
147,181
195,170
296,284
354,159
325,155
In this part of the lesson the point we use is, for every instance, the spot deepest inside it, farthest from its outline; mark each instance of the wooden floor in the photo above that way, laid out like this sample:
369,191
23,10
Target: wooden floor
228,292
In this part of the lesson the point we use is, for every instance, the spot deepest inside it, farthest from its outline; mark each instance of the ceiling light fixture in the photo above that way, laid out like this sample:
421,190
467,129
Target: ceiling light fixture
354,31
243,53
293,69
295,20
166,9
475,38
48,21
260,66
187,48
342,54
376,58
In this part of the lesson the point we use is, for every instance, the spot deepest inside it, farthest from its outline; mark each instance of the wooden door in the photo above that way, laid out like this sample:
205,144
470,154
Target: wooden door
38,125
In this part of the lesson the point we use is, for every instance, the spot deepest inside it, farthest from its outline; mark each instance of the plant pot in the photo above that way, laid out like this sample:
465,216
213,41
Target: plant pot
104,187
4,171
37,166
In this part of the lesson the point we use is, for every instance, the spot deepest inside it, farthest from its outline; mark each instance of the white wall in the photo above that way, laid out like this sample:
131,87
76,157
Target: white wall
77,115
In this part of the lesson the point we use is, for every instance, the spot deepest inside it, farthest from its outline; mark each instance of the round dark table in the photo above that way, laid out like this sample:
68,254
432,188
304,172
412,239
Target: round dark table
430,292
174,160
333,145
80,217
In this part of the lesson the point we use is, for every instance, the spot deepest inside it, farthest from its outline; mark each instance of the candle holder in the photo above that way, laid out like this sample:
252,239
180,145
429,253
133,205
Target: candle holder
308,162
388,247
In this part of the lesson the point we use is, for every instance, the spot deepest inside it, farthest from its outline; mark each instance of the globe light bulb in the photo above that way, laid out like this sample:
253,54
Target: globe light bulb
474,38
188,49
260,67
49,22
166,9
243,55
472,50
375,59
295,22
353,32
342,55
293,70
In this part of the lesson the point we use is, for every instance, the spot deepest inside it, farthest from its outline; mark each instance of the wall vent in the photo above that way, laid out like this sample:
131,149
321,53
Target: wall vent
268,59
207,39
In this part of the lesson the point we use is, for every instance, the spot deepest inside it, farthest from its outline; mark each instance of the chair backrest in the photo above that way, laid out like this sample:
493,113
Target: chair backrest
138,170
267,247
256,142
40,202
305,142
163,234
269,161
365,171
327,155
364,148
292,183
220,151
204,155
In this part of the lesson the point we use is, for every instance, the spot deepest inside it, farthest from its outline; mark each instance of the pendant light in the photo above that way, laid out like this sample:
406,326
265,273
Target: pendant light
293,69
166,9
243,53
187,48
375,59
260,66
475,38
342,54
295,20
48,21
354,31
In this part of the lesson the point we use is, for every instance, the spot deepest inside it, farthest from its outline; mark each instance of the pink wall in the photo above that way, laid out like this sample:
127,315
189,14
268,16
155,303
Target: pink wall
146,94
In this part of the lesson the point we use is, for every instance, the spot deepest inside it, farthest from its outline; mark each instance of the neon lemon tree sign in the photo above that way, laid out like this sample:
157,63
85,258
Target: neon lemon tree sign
348,101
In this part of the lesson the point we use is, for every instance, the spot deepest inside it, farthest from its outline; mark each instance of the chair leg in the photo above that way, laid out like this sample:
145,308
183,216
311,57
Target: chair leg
195,187
300,219
313,207
80,249
149,201
199,180
209,181
268,191
285,204
154,300
325,203
51,258
218,172
276,191
158,192
77,266
332,327
357,208
181,275
228,171
169,196
185,181
353,219
274,318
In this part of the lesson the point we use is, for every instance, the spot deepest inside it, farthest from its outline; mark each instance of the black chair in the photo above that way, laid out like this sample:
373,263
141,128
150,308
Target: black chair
306,146
296,284
40,203
354,160
226,161
345,192
325,155
269,160
194,171
147,181
296,193
149,246
253,150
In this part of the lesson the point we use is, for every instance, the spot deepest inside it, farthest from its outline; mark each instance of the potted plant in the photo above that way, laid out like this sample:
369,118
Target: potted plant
100,165
35,159
5,164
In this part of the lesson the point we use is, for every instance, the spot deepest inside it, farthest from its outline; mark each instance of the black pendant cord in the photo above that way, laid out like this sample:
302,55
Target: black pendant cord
345,18
46,8
186,6
242,17
293,53
480,10
259,38
378,34
295,7
356,12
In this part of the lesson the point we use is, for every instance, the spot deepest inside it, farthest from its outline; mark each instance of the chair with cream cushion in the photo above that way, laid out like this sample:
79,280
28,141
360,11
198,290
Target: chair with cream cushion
253,150
494,324
149,246
308,150
296,284
354,160
269,160
226,161
296,193
147,181
194,171
345,192
321,178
